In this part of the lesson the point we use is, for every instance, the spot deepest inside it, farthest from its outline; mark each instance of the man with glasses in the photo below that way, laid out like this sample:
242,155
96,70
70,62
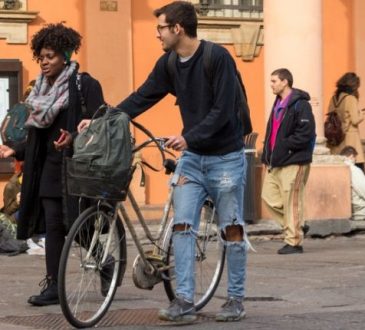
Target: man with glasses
212,162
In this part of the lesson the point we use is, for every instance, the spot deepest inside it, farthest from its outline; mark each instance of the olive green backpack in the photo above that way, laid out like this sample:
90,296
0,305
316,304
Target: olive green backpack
101,163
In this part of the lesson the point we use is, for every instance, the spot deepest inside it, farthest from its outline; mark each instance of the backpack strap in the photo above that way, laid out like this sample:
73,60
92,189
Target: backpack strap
207,60
244,114
240,81
337,103
79,92
207,56
171,65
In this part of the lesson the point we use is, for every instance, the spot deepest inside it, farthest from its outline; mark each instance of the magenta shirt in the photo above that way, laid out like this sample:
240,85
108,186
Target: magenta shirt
277,117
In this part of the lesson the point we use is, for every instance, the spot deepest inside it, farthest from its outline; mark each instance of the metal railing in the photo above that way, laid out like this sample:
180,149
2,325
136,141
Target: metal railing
11,4
219,7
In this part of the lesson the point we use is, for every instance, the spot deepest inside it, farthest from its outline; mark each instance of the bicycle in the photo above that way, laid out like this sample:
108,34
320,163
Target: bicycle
96,248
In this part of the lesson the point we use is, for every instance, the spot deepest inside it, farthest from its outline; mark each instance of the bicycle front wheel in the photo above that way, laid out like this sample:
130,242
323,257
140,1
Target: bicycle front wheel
209,258
92,265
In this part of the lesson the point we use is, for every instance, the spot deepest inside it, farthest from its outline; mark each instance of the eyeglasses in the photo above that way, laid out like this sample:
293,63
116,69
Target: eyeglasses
161,27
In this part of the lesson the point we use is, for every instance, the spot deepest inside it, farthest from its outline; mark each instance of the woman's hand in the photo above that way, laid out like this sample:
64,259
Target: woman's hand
83,124
64,141
6,151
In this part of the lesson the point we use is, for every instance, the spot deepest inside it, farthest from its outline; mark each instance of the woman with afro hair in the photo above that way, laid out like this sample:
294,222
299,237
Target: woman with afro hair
57,107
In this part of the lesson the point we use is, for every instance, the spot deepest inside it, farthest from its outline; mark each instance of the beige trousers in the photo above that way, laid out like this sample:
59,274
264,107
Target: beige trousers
283,193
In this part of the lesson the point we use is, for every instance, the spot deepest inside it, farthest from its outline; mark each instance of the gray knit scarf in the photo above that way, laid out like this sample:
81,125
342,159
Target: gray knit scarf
47,101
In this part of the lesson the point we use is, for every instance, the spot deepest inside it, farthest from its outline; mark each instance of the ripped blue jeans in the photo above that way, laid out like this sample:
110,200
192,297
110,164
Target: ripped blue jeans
222,178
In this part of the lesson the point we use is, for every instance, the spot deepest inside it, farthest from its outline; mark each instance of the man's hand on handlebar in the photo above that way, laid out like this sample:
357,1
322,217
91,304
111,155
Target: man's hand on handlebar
177,143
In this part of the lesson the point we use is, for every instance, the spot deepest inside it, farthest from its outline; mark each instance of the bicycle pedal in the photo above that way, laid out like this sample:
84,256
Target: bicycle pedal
158,262
155,257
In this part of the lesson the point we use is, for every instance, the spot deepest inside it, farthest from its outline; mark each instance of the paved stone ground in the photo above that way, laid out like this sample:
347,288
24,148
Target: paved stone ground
320,289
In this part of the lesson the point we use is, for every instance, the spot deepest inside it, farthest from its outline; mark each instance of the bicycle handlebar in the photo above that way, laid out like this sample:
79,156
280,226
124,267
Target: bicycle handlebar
159,142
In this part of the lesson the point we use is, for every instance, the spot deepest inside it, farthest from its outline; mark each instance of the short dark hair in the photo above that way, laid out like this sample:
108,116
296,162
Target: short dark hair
183,13
349,83
57,37
283,73
348,151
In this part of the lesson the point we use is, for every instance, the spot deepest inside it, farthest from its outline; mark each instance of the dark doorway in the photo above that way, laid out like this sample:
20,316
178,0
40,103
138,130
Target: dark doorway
11,91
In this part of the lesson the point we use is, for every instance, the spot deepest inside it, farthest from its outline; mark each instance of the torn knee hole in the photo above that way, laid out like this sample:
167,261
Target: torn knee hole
232,233
181,227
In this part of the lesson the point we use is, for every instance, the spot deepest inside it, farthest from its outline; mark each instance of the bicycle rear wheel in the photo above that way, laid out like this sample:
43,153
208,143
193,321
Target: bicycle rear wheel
209,258
95,248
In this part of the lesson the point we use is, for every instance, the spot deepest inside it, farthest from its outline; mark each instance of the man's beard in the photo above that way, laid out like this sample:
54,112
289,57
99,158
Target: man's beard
166,48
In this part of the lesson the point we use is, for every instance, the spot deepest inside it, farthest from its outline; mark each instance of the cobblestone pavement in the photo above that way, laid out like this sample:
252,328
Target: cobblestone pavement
320,289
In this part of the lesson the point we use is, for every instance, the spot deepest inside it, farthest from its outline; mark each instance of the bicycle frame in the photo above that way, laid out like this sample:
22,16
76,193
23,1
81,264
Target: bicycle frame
93,260
122,213
158,254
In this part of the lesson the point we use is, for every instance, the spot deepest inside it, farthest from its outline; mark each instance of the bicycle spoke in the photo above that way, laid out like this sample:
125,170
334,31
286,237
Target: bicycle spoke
92,238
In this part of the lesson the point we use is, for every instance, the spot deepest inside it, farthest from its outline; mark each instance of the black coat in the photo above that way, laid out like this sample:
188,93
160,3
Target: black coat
296,135
31,219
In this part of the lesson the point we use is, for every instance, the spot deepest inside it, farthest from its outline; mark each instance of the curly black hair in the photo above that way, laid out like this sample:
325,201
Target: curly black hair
57,37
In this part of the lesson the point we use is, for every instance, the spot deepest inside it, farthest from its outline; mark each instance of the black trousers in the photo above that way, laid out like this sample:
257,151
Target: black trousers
55,234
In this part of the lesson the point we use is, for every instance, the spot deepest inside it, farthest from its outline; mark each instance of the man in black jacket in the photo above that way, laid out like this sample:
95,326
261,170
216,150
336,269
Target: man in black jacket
289,142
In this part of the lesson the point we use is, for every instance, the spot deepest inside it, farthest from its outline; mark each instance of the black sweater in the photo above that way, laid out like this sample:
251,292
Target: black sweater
208,109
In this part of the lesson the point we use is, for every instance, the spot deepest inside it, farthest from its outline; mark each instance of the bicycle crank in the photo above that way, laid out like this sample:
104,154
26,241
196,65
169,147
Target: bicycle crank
142,276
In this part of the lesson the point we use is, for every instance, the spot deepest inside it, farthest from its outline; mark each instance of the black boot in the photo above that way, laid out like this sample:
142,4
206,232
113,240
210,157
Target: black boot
106,274
49,293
